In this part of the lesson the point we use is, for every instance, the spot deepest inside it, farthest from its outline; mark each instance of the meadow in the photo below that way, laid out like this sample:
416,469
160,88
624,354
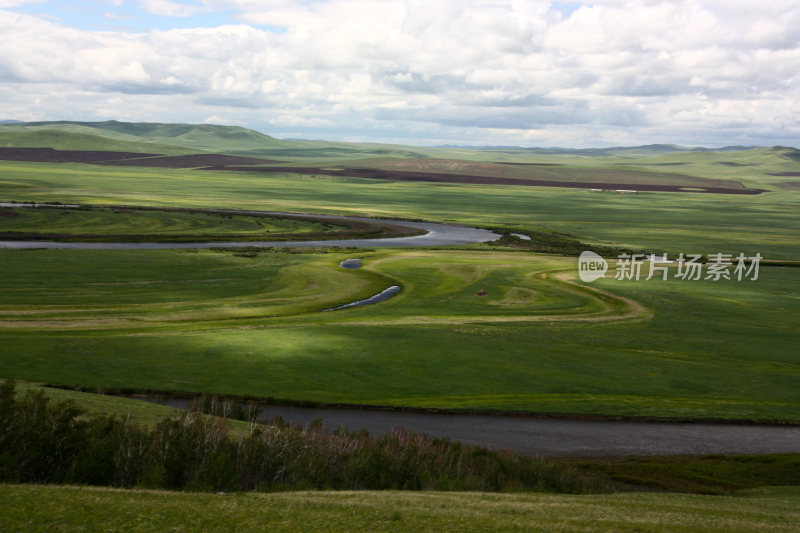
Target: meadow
488,327
49,508
220,322
253,322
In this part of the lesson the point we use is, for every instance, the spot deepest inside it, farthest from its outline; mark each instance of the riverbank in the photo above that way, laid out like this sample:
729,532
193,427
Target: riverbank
544,435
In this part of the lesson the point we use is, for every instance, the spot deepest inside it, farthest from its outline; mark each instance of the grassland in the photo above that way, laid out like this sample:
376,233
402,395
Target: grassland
216,322
108,289
225,323
253,323
80,140
47,508
673,222
549,172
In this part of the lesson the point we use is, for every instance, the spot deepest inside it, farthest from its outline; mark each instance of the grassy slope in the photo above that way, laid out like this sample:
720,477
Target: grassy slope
189,138
14,136
155,289
48,508
145,413
142,412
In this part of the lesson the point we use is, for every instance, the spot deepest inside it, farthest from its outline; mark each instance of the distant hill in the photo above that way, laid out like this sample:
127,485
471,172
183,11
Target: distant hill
196,136
793,154
183,138
235,140
65,140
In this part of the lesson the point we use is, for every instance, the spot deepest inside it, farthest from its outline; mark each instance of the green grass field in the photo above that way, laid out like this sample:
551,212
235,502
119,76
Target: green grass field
474,327
48,508
229,323
218,322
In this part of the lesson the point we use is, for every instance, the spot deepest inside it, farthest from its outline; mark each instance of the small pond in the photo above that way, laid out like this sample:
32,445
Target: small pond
351,264
385,294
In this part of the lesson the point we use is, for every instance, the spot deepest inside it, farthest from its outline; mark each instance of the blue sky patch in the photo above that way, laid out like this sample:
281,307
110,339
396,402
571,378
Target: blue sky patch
128,17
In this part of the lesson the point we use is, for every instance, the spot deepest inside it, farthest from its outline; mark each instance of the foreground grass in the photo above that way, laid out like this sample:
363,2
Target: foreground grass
51,508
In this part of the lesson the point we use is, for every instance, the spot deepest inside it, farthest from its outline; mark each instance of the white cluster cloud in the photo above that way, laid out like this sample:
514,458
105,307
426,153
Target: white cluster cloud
420,72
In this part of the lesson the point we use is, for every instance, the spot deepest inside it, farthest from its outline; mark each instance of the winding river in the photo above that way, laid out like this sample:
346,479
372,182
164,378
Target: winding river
436,235
551,437
525,435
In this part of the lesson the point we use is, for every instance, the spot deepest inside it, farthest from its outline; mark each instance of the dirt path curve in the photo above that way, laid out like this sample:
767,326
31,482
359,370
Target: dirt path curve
623,310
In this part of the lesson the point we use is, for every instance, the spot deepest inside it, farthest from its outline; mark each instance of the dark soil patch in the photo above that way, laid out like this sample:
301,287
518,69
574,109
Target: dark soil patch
50,155
530,164
787,174
189,161
789,185
240,163
400,175
9,214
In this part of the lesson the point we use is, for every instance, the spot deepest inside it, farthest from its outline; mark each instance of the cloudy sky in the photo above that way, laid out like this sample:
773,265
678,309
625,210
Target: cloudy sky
425,72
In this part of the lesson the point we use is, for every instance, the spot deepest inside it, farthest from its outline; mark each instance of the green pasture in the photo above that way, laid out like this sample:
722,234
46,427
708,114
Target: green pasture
51,508
105,289
218,322
241,322
80,139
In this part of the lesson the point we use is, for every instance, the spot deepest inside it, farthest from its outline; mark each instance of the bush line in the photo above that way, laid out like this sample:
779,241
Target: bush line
43,442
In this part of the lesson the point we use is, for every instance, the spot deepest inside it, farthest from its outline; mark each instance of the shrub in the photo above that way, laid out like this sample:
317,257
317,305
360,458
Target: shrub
57,443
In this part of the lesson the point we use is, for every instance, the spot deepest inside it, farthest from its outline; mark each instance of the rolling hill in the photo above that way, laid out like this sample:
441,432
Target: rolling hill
242,141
